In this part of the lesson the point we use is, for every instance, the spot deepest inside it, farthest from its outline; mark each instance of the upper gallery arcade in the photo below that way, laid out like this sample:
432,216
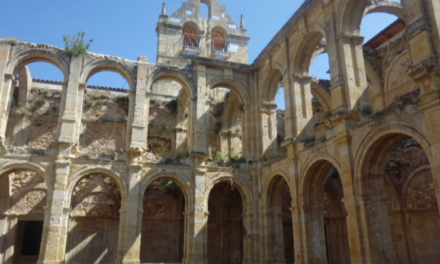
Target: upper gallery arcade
196,163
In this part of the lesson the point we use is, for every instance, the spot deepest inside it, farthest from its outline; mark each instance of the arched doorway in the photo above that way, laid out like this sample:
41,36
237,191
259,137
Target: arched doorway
279,222
22,216
225,225
94,220
326,227
163,223
404,220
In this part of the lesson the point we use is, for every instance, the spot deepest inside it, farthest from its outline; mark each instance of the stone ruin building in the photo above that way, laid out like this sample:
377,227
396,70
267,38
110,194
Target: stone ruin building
194,163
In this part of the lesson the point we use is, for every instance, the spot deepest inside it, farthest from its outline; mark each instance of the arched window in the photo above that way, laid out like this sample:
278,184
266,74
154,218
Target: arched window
218,39
190,34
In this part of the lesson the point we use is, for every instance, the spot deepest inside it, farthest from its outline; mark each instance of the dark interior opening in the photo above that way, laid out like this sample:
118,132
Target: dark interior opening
31,239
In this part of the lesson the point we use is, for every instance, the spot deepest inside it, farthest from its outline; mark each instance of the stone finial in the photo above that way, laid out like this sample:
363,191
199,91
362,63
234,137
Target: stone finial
164,11
242,22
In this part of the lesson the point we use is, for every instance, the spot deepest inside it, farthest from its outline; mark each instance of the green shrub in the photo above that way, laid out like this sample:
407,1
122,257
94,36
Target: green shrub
10,41
170,188
75,44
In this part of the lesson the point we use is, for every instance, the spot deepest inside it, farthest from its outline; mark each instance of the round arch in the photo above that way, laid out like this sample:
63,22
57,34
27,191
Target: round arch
273,175
97,65
161,74
85,172
180,179
233,85
374,148
21,59
384,6
270,83
302,53
230,113
191,25
350,16
313,174
242,188
8,167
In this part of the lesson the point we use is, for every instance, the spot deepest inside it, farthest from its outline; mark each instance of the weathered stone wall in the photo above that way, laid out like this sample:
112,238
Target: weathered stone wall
267,209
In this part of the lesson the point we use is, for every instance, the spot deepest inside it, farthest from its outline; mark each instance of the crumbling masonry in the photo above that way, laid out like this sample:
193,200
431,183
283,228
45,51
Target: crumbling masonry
195,164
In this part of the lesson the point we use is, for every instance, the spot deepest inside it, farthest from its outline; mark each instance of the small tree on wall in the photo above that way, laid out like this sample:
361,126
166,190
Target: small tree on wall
76,44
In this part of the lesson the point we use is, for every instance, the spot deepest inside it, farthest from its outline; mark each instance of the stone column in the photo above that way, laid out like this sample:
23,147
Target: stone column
347,92
137,129
129,226
198,220
3,233
364,246
253,119
224,142
6,81
298,118
301,242
25,85
199,142
71,108
337,83
9,243
268,128
55,225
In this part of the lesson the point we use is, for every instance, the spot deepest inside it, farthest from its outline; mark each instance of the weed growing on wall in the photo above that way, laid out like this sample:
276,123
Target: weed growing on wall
10,41
75,45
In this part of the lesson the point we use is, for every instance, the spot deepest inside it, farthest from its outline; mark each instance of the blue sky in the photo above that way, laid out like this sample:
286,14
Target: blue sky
127,28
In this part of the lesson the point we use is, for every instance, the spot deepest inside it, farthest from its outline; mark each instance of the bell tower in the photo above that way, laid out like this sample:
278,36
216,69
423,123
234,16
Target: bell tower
186,34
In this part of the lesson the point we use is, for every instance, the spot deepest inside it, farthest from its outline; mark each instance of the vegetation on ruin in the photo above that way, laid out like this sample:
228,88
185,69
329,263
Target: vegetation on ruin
170,188
10,41
34,107
228,159
75,45
92,100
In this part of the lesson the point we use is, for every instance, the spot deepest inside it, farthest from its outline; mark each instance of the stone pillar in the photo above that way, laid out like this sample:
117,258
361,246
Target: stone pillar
298,118
54,236
302,250
129,226
198,220
364,246
3,233
6,81
72,98
224,142
199,142
347,91
9,243
137,129
268,128
253,120
25,85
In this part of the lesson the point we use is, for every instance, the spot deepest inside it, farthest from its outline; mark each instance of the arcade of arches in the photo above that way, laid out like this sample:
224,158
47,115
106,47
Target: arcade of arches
193,161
